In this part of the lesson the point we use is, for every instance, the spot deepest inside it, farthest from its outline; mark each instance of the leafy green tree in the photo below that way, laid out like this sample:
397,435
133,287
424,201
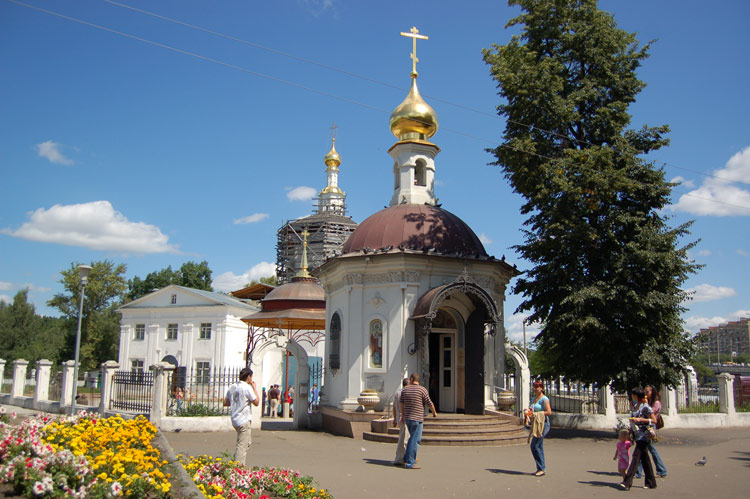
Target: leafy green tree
191,275
270,280
26,335
607,270
100,325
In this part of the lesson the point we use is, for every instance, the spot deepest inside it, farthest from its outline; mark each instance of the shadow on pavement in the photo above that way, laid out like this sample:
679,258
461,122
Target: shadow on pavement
568,433
607,473
594,483
508,472
380,462
743,456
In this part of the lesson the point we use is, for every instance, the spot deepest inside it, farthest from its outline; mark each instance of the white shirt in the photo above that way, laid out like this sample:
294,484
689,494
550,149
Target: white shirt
241,396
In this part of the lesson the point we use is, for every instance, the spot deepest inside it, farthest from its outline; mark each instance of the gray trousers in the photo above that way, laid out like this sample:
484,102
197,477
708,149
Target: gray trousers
243,442
403,437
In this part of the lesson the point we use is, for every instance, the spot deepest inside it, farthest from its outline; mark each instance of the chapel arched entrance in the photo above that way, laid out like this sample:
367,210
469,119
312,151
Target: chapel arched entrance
454,323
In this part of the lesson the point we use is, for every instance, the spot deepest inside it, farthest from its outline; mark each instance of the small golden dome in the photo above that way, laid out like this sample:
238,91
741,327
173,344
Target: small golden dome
332,158
331,189
414,118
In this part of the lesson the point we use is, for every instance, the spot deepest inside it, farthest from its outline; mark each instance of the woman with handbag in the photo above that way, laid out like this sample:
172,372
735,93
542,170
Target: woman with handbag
641,421
653,400
538,417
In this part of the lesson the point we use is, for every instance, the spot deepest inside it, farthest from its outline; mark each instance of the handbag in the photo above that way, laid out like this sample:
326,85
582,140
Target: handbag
659,422
652,435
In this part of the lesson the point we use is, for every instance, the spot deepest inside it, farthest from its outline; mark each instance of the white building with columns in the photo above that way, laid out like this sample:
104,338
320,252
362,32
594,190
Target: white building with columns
187,327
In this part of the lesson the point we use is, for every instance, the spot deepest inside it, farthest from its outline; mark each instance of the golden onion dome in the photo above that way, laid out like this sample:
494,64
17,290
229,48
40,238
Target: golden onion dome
414,118
332,158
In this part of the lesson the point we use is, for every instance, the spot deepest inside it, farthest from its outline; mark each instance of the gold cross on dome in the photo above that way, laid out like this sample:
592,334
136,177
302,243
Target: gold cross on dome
333,131
414,34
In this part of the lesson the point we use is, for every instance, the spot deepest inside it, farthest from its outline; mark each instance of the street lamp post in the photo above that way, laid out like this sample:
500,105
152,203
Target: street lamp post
83,271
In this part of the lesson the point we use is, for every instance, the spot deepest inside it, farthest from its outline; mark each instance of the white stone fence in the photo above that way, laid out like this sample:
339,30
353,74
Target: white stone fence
40,401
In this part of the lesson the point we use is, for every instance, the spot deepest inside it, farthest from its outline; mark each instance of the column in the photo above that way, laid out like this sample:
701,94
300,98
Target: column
726,393
19,377
161,391
108,372
2,373
607,402
66,386
43,368
692,386
668,401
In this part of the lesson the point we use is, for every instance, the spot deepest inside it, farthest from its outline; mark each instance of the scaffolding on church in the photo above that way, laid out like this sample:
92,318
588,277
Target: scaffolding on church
328,233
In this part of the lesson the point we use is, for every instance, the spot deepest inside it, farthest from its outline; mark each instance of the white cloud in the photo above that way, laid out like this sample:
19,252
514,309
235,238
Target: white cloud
683,182
724,194
301,193
94,225
707,292
51,151
229,281
7,299
485,240
743,252
704,253
251,219
514,326
35,288
5,285
696,322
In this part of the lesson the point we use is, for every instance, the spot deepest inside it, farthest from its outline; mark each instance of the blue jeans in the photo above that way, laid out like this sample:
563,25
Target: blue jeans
661,470
415,435
537,447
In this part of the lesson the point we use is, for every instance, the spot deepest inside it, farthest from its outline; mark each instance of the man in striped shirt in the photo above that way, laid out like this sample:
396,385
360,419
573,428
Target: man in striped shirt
412,401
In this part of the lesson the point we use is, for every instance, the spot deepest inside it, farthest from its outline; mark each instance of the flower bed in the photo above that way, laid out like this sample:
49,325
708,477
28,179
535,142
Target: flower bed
218,478
82,456
92,457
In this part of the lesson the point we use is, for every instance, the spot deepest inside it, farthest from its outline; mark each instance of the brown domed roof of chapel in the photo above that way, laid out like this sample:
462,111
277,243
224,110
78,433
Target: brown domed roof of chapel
415,228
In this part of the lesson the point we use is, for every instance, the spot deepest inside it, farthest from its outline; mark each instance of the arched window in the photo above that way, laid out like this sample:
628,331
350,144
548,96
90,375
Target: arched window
334,353
420,174
376,343
396,174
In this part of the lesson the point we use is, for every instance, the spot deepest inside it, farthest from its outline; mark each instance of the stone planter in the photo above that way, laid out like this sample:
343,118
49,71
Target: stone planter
367,400
505,400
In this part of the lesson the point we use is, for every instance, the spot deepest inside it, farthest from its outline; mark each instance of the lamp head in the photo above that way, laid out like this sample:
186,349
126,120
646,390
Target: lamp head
83,271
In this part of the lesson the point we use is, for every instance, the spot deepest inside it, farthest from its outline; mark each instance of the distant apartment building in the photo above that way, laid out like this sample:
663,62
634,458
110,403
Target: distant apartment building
733,337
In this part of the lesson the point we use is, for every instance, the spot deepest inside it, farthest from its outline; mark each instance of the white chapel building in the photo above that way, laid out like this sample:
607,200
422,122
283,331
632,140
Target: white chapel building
414,290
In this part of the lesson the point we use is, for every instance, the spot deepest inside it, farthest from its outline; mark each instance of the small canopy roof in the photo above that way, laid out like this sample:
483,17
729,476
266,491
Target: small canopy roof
296,318
299,304
256,291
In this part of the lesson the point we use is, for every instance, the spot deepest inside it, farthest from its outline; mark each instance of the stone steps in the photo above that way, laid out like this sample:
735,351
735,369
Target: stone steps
461,430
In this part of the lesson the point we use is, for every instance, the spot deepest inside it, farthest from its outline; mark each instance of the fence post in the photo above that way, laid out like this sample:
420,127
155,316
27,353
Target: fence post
2,373
692,386
66,385
108,372
19,377
161,390
668,399
726,393
43,367
607,404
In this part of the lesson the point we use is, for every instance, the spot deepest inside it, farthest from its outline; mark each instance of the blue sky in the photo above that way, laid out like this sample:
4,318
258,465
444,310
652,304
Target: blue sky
199,146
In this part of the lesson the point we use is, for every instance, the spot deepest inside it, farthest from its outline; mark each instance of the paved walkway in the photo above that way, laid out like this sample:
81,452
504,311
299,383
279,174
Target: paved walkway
579,464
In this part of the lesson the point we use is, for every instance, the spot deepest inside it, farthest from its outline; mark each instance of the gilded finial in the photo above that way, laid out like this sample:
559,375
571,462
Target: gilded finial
303,265
414,34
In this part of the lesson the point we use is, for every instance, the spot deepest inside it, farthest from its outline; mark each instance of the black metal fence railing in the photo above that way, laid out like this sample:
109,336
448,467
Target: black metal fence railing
132,391
571,397
55,385
200,392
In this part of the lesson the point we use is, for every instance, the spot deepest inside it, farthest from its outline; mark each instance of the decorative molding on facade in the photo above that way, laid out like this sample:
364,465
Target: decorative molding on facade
358,278
377,301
